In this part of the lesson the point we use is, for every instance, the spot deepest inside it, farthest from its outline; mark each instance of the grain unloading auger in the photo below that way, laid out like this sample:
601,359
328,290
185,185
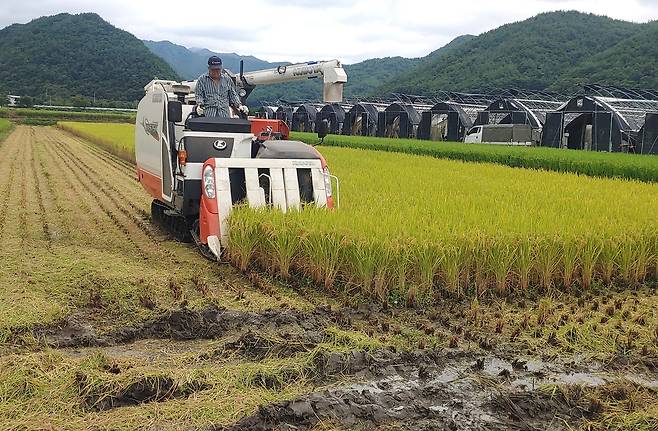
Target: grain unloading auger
197,168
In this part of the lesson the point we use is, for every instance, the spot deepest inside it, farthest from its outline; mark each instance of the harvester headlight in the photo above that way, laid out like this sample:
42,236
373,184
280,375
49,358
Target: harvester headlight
327,181
209,182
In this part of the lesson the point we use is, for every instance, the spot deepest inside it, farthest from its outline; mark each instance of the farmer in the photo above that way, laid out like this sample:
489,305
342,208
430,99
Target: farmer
215,92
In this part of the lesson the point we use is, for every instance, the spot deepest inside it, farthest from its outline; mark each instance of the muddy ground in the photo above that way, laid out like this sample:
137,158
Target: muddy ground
379,388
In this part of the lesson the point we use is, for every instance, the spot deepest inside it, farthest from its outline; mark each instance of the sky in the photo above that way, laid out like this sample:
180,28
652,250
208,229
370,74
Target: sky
303,30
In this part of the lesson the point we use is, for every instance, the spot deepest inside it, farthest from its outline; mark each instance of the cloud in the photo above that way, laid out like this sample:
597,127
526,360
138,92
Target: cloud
298,30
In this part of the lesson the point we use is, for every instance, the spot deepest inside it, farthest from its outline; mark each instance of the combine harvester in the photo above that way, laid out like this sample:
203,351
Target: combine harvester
196,168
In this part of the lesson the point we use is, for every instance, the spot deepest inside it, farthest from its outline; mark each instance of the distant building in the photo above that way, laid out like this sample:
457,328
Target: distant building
13,100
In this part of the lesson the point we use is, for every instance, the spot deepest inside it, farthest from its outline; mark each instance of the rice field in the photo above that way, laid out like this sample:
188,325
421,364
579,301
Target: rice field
118,139
55,115
598,164
207,347
411,229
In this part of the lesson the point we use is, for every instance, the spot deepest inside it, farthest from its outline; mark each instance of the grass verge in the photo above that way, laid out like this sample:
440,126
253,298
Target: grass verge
6,127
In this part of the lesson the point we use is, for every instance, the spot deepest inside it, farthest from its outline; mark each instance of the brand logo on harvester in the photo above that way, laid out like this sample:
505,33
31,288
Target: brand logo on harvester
306,70
151,128
219,145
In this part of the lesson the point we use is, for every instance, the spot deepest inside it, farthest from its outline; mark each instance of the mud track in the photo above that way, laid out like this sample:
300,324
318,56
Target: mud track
439,390
187,324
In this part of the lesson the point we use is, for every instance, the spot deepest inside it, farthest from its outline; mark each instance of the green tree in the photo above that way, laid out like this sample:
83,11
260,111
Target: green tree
80,101
26,102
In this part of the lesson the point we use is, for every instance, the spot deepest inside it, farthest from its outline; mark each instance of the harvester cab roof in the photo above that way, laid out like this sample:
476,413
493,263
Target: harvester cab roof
198,168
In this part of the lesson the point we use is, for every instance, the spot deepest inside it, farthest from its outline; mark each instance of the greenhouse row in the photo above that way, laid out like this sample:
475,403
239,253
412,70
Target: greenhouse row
599,118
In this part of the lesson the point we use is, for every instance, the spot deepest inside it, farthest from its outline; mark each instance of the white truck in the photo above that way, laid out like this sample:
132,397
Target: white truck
502,134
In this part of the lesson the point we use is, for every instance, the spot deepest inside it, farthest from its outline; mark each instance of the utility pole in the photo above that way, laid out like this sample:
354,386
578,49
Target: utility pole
94,104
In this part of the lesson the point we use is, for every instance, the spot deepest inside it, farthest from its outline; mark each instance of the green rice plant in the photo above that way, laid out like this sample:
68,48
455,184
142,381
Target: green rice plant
363,259
590,252
323,253
283,243
643,259
244,235
654,249
608,259
383,281
626,258
5,127
428,259
523,262
451,268
401,272
570,260
598,164
548,258
370,263
500,260
70,115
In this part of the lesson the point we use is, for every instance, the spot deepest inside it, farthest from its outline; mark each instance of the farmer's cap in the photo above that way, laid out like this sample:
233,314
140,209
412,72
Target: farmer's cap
214,62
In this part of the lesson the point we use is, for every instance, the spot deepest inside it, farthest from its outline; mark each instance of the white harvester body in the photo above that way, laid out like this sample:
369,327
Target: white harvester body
197,168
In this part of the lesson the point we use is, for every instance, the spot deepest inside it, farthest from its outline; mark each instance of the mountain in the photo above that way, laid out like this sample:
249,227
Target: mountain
67,55
633,62
231,60
532,54
190,63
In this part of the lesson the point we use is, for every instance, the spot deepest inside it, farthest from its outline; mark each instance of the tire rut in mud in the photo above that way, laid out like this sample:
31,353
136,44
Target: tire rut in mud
187,324
146,389
436,390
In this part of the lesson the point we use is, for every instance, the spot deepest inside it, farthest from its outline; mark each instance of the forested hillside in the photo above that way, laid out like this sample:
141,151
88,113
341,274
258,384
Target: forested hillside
537,53
65,55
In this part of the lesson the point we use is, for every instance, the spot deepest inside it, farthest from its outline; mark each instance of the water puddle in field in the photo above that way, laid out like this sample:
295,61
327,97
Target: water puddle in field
442,390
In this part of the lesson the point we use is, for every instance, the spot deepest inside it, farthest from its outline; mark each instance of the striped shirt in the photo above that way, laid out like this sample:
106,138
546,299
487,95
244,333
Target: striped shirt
216,96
